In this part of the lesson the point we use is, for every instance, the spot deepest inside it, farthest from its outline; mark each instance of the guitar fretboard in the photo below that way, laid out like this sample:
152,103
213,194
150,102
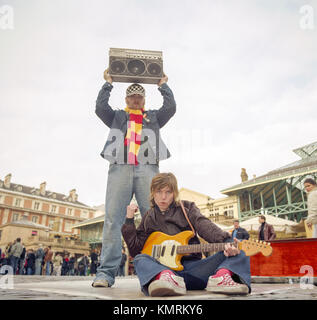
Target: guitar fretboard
203,247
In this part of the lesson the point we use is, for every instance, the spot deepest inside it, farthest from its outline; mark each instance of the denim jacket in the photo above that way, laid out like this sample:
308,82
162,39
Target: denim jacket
152,148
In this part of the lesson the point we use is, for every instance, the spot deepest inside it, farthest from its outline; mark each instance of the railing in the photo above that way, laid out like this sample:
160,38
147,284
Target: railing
276,211
58,242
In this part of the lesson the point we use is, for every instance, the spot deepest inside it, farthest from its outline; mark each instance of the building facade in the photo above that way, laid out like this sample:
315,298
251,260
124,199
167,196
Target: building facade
52,210
221,211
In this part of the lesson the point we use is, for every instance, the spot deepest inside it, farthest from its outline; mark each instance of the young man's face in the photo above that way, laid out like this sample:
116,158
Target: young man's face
309,187
261,220
163,198
236,225
135,101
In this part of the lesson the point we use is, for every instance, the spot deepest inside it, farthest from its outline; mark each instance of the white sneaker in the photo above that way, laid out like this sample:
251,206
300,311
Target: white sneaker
226,285
167,284
100,283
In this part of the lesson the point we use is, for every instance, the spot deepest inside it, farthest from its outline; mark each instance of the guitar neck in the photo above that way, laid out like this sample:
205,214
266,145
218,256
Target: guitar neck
202,247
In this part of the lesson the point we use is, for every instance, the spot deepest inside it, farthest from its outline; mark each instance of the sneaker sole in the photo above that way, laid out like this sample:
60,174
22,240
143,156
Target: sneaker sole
100,285
157,290
229,290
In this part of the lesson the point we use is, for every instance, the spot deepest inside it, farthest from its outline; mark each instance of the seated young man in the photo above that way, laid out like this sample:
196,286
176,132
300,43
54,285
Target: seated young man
225,272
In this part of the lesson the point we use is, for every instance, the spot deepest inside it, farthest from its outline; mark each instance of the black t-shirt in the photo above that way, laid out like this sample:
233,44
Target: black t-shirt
262,231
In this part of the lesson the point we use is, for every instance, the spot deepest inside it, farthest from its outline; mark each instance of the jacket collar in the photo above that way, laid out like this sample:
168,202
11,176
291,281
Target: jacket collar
172,205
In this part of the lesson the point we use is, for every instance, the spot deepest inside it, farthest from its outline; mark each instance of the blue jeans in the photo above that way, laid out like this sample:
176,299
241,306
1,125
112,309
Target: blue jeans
48,268
14,263
196,272
38,266
124,181
29,271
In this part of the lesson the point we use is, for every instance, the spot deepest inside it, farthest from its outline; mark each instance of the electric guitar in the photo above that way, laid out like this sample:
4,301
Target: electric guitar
168,250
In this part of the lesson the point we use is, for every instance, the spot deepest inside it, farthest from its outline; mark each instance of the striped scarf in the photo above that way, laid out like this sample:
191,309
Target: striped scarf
133,137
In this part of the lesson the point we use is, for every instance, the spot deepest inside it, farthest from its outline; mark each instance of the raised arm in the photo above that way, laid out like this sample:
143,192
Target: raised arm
169,105
134,238
103,109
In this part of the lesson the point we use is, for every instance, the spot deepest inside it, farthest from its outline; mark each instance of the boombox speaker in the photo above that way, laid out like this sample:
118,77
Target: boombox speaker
137,66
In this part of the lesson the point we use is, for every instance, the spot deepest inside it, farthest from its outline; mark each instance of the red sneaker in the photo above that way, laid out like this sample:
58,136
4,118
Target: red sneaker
225,284
167,283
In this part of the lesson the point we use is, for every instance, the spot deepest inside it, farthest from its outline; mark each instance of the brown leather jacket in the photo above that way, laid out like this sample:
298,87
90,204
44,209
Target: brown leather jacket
269,233
48,255
171,222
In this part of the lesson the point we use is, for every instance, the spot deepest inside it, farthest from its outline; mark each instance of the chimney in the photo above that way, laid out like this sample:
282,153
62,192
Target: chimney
73,195
244,176
7,180
43,188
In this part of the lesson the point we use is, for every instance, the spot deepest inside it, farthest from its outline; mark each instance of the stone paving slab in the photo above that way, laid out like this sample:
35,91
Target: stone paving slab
128,288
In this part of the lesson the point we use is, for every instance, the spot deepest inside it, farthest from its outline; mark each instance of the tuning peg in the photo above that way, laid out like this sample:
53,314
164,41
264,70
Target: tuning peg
268,243
257,240
264,242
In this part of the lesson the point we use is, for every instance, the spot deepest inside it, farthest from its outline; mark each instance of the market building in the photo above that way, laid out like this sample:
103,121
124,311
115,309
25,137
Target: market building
280,192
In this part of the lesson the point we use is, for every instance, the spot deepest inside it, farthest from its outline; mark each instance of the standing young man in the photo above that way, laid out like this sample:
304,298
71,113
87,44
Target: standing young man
133,148
225,272
266,231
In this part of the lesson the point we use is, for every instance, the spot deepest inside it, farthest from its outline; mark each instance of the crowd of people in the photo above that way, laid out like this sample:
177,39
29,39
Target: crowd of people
43,261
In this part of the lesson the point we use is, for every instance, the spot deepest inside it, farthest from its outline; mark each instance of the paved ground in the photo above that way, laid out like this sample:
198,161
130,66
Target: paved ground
127,288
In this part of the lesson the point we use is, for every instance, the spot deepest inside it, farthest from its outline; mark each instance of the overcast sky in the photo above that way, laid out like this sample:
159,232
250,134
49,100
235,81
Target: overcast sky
243,75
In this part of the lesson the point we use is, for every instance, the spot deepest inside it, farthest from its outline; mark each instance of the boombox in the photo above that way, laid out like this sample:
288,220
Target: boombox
137,66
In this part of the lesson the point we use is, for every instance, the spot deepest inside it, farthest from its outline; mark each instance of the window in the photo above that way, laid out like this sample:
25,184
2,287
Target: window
51,223
1,199
84,214
34,219
15,217
68,226
18,202
36,206
53,209
69,211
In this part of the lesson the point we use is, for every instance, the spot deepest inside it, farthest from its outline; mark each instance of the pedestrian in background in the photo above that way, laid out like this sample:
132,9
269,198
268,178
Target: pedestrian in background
266,231
71,266
15,252
238,232
22,262
311,188
65,266
94,261
30,262
39,256
48,260
57,262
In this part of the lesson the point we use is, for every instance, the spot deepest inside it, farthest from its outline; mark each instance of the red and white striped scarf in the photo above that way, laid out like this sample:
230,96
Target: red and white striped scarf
134,132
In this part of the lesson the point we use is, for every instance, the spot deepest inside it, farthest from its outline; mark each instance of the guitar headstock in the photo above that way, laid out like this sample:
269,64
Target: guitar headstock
252,247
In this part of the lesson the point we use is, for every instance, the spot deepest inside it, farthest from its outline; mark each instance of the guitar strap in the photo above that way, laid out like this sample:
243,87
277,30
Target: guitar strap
185,214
